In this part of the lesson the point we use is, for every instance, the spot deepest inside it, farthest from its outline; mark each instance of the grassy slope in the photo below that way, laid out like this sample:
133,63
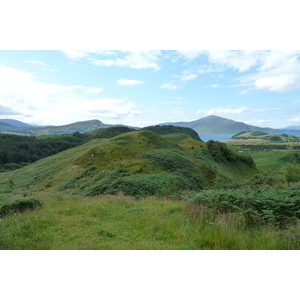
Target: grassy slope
82,166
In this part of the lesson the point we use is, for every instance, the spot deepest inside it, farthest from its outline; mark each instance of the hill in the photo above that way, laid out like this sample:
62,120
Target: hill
15,123
167,129
259,135
138,163
19,150
81,127
218,125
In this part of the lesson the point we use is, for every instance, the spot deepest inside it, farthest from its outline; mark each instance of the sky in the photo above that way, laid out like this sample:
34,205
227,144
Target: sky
147,87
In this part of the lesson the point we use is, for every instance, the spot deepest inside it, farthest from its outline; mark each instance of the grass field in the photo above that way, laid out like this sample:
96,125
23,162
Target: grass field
118,222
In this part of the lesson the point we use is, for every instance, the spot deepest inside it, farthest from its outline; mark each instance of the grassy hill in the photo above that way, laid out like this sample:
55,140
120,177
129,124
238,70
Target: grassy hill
138,163
218,125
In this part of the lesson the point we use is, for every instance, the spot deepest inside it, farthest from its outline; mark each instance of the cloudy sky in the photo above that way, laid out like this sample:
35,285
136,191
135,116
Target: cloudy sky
141,88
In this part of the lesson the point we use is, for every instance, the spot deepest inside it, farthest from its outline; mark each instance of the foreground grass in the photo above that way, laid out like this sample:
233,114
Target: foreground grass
118,222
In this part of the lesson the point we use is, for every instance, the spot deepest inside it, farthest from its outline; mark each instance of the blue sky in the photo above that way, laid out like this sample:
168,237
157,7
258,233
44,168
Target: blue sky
141,88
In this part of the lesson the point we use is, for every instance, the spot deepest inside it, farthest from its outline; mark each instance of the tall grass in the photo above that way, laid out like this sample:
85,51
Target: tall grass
120,222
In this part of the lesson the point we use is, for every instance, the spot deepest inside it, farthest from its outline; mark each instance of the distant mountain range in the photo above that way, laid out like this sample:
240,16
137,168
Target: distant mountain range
218,125
295,127
85,126
14,123
206,125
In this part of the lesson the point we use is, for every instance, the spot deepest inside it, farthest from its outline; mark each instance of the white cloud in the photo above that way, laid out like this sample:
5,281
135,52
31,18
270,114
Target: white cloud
170,86
75,54
295,119
134,59
36,62
191,54
129,82
221,59
79,54
273,71
214,86
281,83
238,60
109,108
40,103
187,75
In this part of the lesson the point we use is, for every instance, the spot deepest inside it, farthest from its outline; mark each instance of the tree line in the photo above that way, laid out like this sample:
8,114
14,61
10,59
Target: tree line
18,150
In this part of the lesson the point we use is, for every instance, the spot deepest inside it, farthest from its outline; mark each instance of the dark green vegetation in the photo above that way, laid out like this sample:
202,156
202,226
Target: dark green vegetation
129,189
264,204
167,129
16,205
17,151
215,124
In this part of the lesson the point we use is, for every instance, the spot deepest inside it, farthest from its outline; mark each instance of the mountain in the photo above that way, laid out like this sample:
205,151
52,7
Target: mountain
81,127
217,125
207,125
292,128
14,123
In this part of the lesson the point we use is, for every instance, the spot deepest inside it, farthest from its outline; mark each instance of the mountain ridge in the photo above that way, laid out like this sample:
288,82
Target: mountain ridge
208,125
217,125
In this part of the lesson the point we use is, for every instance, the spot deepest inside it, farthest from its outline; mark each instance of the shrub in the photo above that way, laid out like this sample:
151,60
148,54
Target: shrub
279,206
292,174
18,205
179,164
221,153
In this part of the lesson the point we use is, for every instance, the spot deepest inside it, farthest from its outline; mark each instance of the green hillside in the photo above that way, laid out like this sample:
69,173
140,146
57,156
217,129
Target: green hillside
138,163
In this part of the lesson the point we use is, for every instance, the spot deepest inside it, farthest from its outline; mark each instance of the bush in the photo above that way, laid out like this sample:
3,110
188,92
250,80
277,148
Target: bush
279,206
221,153
292,174
18,205
179,164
